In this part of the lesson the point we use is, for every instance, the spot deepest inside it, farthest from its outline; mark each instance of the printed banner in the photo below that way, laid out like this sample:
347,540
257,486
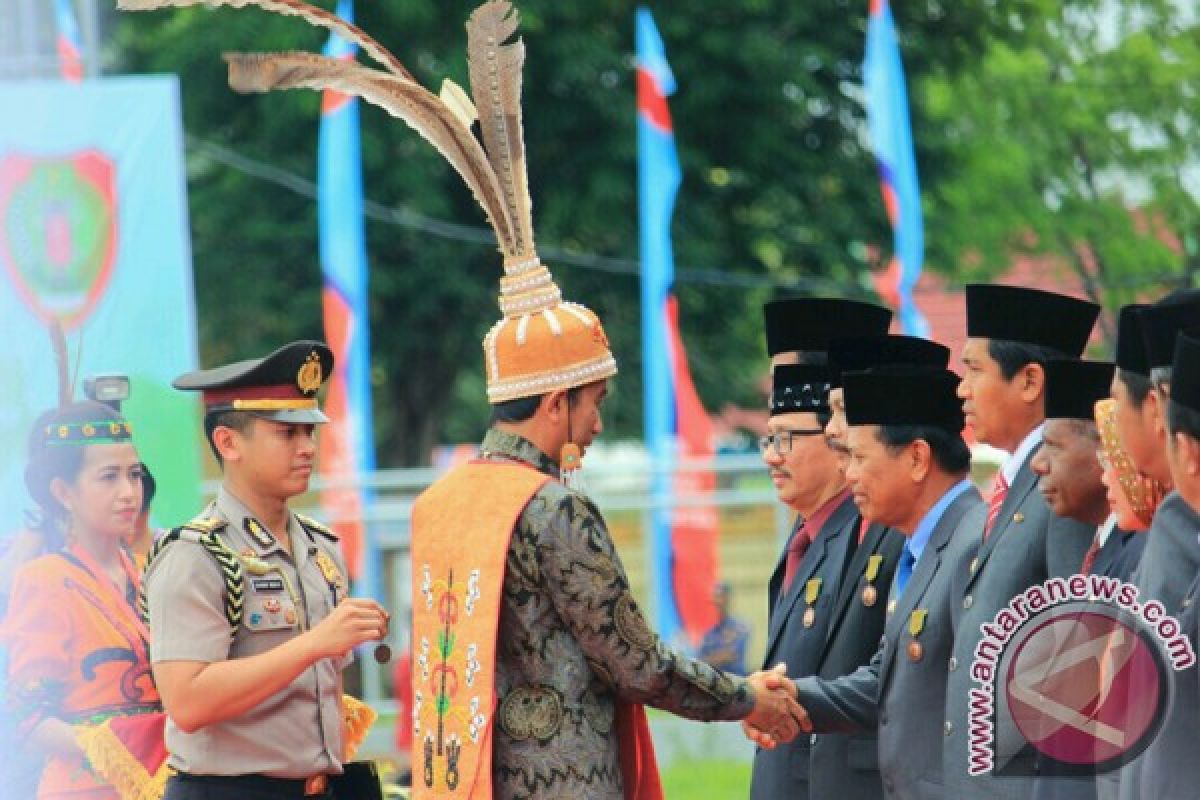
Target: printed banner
94,232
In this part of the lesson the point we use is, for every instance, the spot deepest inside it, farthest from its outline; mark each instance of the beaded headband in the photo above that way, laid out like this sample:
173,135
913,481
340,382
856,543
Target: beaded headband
85,433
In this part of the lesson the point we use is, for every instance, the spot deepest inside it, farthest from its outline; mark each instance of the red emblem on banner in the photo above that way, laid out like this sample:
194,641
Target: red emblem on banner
58,231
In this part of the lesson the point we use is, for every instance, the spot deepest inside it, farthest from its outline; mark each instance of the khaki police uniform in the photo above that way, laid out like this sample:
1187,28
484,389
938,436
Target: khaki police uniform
297,733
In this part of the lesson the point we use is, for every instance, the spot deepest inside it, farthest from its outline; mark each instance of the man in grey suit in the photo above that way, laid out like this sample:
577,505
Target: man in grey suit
1069,478
1012,332
908,470
1068,470
1169,768
811,623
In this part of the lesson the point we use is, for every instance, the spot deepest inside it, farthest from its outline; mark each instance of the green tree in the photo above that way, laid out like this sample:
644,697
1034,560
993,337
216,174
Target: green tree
1072,139
778,189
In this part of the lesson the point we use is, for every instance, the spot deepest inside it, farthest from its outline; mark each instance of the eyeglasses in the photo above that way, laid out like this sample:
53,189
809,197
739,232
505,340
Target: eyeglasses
782,440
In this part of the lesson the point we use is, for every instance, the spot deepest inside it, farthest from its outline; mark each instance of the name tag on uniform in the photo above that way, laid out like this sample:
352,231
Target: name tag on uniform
267,584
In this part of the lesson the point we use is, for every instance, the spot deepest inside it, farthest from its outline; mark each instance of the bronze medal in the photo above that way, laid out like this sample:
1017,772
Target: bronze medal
810,616
916,624
870,594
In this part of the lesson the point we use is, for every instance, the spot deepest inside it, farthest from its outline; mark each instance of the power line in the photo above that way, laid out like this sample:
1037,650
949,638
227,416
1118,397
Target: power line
405,217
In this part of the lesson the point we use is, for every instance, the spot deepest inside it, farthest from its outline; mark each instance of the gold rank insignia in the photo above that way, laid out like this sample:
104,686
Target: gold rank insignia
916,624
261,536
310,377
812,590
974,564
1018,517
333,575
870,594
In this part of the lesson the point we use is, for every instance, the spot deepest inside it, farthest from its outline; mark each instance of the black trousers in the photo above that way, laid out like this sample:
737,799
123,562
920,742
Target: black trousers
238,787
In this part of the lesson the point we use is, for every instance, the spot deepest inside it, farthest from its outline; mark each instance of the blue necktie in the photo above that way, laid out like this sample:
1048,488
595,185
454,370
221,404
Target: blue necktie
904,570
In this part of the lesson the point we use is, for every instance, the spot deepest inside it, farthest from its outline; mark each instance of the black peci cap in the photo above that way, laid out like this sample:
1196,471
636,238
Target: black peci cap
904,395
1074,387
1162,321
808,323
1185,372
1030,316
802,387
1131,345
281,386
862,353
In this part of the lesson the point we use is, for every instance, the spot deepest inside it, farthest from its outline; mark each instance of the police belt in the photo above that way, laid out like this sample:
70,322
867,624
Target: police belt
316,786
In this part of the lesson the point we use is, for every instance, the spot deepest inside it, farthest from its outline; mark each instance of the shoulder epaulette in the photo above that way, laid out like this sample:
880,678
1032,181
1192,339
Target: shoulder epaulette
312,526
203,531
204,524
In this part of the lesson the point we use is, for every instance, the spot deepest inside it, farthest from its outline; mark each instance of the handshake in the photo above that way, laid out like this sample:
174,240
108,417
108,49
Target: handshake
777,718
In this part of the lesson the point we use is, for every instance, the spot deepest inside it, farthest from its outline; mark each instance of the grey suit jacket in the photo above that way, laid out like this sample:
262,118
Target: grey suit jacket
1169,768
903,697
1119,556
1028,544
846,765
785,771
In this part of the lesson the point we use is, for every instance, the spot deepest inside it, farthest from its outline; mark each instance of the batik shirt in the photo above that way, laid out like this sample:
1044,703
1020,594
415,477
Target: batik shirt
572,640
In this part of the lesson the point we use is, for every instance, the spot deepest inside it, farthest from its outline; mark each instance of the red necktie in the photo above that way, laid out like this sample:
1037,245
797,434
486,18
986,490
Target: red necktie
862,529
1089,558
795,554
995,500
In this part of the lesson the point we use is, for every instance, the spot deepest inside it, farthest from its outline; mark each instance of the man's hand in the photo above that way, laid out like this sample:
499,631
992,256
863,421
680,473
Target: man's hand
353,622
777,717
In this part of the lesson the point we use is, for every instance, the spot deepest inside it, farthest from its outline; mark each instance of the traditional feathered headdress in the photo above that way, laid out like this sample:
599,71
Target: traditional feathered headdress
542,343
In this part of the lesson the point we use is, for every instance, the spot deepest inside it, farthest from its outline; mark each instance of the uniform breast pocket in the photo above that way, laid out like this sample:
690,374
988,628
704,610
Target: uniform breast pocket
268,606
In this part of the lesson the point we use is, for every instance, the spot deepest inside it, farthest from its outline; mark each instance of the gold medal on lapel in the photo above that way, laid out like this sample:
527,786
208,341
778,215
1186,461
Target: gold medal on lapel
916,624
812,590
870,594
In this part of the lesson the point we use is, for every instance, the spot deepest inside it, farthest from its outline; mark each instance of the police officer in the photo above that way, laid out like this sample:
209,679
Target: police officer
249,618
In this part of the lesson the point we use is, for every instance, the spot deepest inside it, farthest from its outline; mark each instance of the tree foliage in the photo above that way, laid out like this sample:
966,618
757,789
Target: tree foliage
1073,139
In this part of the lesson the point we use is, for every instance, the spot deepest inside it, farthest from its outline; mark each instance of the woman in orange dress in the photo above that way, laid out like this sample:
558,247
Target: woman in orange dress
79,676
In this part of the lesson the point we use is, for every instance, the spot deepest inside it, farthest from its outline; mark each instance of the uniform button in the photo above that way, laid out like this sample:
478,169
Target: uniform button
968,601
812,739
889,785
953,663
949,729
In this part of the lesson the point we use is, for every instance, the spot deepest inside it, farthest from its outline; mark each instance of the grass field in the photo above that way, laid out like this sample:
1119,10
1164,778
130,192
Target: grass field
706,780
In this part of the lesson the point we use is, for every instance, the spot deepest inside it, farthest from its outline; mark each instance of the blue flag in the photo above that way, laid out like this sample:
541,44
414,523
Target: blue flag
891,138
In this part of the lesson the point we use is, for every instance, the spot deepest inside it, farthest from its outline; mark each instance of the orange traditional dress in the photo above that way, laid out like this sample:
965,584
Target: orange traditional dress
78,653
